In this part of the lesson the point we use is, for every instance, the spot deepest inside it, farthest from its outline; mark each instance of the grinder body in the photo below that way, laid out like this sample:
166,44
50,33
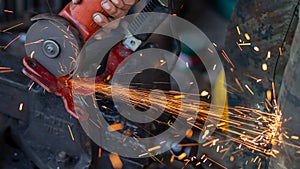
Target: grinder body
81,16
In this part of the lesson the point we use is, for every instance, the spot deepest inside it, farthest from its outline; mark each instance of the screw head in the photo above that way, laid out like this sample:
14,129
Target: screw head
51,49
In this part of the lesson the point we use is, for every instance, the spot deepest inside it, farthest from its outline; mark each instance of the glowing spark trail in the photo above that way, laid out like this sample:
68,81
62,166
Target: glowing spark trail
12,41
8,11
10,28
71,133
5,70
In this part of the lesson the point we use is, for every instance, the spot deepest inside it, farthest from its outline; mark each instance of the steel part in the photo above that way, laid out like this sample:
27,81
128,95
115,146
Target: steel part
60,87
288,103
286,45
51,49
132,43
274,30
63,38
270,34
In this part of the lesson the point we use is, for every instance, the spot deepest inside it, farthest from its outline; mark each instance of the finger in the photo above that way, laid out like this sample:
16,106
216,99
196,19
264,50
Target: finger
109,7
120,13
100,19
130,2
118,3
112,10
76,1
126,7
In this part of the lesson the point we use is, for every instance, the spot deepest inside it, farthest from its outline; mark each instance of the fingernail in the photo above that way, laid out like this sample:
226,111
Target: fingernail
97,18
115,2
75,1
105,5
129,2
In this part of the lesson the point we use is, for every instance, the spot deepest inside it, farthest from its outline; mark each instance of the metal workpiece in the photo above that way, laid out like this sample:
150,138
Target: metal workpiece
271,27
288,101
257,62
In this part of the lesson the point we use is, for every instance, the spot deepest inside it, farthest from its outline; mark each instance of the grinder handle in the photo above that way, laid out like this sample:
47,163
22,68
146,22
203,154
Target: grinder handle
81,16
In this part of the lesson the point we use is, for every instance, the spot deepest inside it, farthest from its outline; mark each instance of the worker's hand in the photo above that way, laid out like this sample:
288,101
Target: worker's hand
114,8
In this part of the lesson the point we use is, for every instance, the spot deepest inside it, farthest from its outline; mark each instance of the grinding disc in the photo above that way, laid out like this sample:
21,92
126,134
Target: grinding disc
54,43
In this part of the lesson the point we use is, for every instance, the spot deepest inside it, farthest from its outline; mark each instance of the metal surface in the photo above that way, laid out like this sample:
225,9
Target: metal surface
289,100
132,43
268,32
271,27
